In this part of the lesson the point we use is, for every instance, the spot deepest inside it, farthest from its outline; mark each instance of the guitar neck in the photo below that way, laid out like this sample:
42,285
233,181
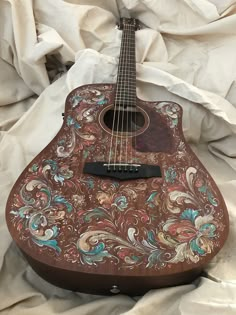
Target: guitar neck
126,77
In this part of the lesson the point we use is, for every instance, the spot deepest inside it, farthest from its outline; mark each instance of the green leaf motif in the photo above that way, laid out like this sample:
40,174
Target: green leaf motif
189,214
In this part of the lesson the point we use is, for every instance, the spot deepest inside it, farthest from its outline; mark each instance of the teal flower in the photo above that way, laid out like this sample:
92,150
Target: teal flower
121,202
34,168
170,175
76,100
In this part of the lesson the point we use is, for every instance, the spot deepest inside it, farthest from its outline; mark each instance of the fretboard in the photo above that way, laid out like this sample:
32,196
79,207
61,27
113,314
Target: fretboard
126,77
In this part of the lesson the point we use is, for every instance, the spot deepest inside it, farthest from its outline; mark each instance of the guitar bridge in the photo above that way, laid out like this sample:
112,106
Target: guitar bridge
122,171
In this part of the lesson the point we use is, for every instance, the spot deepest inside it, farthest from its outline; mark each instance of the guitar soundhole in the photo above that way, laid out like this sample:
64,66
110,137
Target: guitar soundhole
125,120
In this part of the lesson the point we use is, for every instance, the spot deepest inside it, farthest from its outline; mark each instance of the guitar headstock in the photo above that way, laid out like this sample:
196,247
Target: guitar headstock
127,23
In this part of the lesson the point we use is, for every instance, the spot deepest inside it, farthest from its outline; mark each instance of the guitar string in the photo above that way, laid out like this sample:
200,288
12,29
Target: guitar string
115,106
126,93
136,109
132,42
131,88
122,87
120,78
127,115
123,91
118,88
127,89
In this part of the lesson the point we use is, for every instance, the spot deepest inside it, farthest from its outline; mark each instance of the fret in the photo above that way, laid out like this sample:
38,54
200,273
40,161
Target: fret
129,53
122,97
130,92
131,99
124,69
131,47
122,94
126,80
126,97
129,77
126,88
130,57
128,63
126,92
124,102
130,73
130,95
122,74
126,85
131,70
129,37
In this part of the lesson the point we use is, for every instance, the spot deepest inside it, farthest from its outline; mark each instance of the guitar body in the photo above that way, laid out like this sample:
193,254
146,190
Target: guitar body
101,234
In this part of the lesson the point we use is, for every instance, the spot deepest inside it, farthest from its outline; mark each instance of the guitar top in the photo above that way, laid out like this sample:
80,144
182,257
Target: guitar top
117,202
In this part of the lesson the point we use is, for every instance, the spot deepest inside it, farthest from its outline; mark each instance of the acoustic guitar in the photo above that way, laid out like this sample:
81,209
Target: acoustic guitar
117,201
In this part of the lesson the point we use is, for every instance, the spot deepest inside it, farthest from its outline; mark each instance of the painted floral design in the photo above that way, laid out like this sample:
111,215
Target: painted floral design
41,212
170,175
59,173
147,223
191,234
171,110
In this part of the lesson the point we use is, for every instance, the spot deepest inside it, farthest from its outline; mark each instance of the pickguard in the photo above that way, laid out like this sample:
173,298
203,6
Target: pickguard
157,137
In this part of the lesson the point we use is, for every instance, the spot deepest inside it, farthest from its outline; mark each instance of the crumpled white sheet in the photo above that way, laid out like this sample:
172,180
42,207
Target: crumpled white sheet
185,53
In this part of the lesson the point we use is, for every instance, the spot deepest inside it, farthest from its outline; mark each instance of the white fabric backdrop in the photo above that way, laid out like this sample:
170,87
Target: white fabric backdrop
186,53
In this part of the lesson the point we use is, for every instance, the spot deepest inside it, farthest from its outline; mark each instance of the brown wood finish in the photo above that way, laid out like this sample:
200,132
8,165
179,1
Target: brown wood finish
88,233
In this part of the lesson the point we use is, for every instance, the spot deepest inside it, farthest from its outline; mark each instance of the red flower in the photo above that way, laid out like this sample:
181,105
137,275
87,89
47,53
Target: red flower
183,231
199,183
123,253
